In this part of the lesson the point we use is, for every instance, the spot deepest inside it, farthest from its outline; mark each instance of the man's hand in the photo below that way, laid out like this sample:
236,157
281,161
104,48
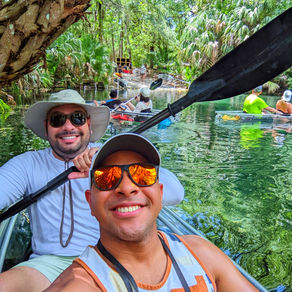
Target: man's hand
83,162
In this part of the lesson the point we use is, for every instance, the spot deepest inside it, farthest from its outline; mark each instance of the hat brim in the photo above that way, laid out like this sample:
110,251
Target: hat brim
36,115
127,142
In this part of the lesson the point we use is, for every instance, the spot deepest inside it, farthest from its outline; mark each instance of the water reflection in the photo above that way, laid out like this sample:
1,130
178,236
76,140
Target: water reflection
237,178
250,135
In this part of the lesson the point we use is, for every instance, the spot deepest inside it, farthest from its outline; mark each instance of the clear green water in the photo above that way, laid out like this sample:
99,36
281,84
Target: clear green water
237,179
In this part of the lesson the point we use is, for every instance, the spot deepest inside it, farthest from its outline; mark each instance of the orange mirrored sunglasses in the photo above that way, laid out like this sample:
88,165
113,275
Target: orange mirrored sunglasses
108,177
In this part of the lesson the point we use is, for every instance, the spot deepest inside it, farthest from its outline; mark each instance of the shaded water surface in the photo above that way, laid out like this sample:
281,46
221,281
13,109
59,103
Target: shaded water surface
237,178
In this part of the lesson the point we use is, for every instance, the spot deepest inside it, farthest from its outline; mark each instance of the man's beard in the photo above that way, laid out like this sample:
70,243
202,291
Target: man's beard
69,153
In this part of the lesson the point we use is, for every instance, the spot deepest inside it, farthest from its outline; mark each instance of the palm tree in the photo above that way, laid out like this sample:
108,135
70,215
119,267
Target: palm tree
215,29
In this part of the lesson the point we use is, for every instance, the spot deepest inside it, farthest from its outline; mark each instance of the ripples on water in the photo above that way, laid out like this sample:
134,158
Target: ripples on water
237,180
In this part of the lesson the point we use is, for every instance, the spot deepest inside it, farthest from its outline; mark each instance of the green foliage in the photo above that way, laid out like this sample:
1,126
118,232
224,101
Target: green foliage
289,77
71,59
5,110
164,34
216,29
272,87
95,56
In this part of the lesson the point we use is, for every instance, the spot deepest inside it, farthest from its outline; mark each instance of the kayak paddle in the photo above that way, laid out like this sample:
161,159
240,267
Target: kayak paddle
155,84
261,57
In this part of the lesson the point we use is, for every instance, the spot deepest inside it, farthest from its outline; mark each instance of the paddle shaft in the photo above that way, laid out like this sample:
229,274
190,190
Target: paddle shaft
32,198
124,103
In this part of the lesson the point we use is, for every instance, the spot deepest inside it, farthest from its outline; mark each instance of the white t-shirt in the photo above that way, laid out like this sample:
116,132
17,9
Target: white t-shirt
30,171
141,105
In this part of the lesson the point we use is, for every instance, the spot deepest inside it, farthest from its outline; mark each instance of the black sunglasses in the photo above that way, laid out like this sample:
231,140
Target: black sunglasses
77,119
108,177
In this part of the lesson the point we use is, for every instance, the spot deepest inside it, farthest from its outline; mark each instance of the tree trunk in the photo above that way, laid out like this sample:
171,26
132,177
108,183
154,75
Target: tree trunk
100,22
128,40
121,47
28,27
113,48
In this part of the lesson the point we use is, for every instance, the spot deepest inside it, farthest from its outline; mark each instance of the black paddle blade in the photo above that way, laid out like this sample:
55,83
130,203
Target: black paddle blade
260,58
155,84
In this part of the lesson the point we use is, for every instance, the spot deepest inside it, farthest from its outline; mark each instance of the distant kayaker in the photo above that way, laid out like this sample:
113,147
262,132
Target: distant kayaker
113,102
283,105
144,104
132,255
253,104
60,221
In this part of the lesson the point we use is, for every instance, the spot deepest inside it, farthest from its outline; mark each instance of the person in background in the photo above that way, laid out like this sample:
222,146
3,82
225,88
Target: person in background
113,102
131,254
143,71
144,104
120,70
60,221
283,105
253,104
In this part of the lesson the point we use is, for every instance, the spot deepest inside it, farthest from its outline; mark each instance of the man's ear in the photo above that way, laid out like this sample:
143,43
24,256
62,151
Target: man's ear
161,190
88,197
89,123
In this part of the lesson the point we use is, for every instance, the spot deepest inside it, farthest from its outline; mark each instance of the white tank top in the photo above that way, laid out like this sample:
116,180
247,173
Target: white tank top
196,276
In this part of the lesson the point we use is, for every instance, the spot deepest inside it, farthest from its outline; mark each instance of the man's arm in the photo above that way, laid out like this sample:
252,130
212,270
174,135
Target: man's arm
131,106
226,275
272,110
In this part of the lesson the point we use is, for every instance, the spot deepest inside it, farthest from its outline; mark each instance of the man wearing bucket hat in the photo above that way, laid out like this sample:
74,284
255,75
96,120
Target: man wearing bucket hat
132,255
60,221
253,104
283,105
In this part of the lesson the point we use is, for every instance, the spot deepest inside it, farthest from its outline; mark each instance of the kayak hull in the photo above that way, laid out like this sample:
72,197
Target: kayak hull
239,116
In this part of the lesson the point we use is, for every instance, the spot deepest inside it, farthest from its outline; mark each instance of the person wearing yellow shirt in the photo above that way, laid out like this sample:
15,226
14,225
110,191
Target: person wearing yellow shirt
253,104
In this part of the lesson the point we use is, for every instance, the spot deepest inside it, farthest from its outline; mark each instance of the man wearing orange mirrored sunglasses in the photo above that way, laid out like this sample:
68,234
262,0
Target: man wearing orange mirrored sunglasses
132,255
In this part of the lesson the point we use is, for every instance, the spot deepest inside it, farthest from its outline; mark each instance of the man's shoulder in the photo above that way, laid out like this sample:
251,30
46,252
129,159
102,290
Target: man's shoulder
202,247
195,240
74,278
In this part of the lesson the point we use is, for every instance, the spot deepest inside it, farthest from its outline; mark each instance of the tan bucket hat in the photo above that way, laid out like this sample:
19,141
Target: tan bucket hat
37,113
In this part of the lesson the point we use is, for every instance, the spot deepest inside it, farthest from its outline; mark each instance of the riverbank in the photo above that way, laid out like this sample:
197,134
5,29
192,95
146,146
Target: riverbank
134,80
